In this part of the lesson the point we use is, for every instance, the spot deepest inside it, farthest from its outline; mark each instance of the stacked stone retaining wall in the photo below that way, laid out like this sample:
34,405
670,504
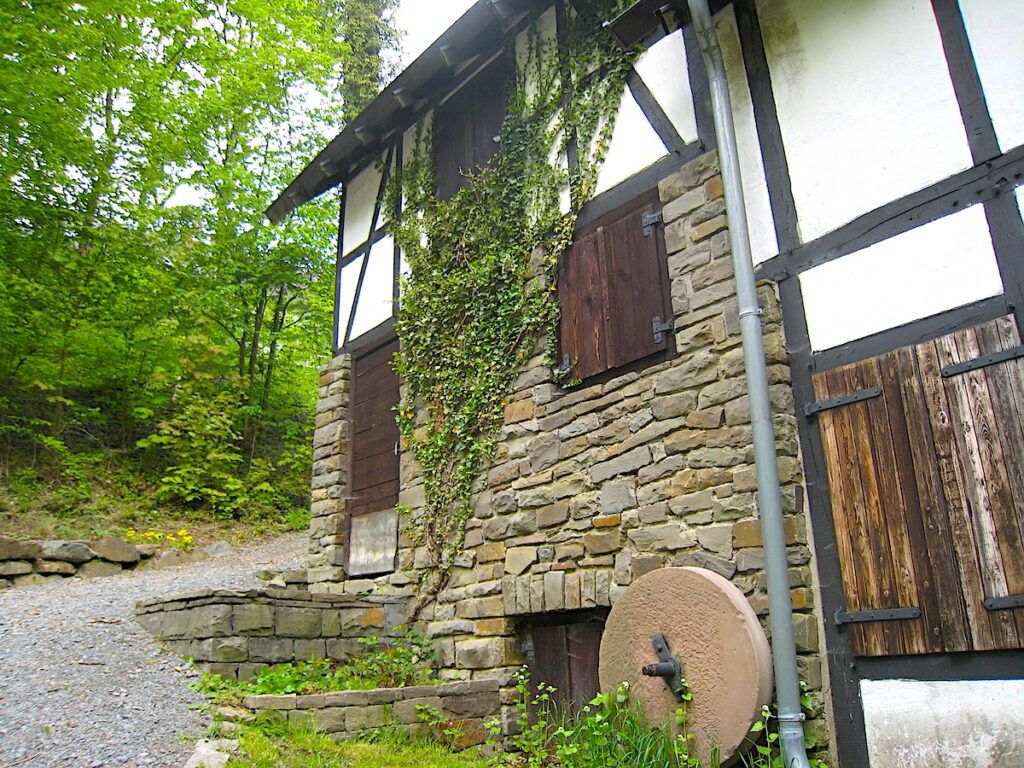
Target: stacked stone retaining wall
23,563
461,706
235,633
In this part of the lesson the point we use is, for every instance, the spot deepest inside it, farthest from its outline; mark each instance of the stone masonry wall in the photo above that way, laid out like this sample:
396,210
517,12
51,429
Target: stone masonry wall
463,706
330,452
594,486
235,633
23,563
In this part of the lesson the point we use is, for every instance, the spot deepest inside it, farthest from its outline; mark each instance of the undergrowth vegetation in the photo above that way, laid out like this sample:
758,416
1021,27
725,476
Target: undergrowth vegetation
612,731
383,663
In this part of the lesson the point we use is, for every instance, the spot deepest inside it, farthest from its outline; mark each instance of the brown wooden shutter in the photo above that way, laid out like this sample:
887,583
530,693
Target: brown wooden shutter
566,656
465,127
612,285
637,287
927,490
581,292
374,440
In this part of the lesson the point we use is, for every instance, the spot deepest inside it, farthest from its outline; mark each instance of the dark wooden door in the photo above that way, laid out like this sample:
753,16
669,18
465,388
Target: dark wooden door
373,484
926,482
565,656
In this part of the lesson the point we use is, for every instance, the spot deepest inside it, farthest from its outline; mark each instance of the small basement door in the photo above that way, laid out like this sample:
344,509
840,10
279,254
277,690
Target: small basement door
563,651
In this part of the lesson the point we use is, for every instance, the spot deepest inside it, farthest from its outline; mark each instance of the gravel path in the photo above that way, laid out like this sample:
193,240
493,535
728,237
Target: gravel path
83,686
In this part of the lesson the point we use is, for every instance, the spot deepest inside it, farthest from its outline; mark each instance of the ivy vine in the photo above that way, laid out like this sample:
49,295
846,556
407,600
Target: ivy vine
479,293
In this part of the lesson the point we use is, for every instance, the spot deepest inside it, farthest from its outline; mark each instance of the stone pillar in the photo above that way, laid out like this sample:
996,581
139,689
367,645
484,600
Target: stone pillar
330,468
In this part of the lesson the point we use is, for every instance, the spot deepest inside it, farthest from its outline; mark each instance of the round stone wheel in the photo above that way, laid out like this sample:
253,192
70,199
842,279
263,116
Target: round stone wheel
712,630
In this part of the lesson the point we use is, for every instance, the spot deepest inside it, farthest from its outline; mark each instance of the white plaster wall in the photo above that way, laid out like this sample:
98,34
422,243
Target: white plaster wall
633,147
996,32
944,724
360,197
662,67
938,266
865,103
763,243
346,294
375,297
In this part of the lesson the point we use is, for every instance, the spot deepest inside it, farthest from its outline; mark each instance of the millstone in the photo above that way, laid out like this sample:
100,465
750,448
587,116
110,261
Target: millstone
711,629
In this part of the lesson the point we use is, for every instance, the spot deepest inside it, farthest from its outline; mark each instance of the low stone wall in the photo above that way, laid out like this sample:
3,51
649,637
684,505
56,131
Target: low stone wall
463,706
235,633
23,563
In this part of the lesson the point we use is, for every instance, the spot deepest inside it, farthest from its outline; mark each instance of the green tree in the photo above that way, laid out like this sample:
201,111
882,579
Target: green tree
140,141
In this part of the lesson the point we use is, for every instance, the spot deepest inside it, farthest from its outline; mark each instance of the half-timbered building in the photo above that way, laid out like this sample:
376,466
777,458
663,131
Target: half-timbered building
881,158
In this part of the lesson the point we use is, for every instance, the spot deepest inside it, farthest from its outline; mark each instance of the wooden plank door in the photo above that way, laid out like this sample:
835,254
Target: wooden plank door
566,657
373,482
926,479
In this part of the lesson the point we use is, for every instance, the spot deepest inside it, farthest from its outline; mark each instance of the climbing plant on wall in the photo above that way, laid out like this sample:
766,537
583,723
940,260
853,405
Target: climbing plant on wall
479,299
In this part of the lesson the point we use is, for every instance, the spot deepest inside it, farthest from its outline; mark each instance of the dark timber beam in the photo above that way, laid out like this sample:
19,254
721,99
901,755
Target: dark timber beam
985,182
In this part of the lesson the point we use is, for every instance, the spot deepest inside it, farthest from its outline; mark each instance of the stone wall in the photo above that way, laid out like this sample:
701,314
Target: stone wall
235,633
596,485
464,706
330,451
23,563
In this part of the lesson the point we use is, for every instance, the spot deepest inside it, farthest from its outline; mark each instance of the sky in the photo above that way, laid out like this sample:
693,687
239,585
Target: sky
421,22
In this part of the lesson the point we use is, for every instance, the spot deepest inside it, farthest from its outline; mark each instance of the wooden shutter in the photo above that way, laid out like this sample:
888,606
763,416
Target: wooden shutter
927,491
566,656
374,441
465,127
612,285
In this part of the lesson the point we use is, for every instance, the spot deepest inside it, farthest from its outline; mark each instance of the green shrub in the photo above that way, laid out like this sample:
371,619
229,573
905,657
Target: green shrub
390,663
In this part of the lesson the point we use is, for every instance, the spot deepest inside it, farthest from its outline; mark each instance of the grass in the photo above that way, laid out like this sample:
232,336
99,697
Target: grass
286,745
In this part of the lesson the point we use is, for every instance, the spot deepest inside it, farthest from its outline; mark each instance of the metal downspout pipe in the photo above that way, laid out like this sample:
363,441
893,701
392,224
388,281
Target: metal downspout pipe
769,496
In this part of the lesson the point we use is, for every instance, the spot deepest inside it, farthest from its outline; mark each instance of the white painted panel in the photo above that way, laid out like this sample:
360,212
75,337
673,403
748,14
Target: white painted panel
346,293
865,103
1020,200
633,147
375,296
361,196
938,266
763,243
952,724
996,31
662,67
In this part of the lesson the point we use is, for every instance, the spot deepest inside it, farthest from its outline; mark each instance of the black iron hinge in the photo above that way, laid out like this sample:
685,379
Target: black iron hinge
881,614
661,328
983,361
834,402
999,603
649,220
563,369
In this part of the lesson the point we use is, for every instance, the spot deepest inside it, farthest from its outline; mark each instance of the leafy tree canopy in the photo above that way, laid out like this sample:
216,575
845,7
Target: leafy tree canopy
143,296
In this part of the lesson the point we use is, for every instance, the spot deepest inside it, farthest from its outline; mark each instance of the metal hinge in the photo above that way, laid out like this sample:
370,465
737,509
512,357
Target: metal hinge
661,328
649,220
983,361
563,369
881,614
998,603
834,402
